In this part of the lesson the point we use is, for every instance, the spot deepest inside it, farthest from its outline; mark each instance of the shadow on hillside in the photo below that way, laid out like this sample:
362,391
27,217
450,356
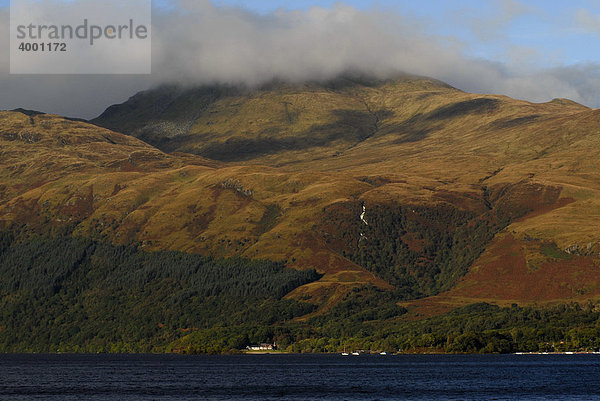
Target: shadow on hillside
351,126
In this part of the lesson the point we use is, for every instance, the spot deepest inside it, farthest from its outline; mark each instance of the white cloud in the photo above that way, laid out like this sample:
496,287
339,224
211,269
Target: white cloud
197,43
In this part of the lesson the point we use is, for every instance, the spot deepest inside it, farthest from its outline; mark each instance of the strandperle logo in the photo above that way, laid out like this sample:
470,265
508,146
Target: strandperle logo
80,37
84,31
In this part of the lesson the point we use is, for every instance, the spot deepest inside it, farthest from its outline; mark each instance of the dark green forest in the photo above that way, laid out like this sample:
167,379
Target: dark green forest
368,320
69,294
477,328
76,295
422,251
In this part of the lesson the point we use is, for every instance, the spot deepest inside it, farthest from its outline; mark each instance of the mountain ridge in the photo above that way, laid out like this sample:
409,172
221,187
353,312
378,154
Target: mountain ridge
412,151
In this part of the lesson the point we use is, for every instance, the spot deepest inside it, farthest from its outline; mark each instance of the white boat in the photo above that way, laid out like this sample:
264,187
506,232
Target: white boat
345,353
355,353
383,353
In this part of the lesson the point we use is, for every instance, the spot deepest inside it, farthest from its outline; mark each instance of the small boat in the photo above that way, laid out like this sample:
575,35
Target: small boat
355,353
383,353
345,353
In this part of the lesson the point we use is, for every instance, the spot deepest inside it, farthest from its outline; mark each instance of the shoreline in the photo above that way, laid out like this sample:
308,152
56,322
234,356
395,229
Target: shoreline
275,352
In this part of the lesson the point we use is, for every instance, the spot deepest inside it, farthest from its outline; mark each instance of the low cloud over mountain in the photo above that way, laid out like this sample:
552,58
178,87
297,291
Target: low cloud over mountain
197,42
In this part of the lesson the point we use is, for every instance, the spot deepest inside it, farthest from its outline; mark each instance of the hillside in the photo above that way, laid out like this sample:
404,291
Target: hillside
421,143
433,196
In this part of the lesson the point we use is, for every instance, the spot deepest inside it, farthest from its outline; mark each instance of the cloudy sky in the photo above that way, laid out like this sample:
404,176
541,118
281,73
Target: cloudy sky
529,49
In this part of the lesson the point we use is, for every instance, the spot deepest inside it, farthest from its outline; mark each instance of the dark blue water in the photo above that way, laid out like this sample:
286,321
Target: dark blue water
299,377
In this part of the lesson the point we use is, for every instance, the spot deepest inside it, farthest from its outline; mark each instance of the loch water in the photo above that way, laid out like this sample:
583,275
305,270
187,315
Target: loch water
299,377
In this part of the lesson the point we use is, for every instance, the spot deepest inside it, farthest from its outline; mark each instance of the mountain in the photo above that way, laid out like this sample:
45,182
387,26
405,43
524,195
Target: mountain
406,194
236,124
413,150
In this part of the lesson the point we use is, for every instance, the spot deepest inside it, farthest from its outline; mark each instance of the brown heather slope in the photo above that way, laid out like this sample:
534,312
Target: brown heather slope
57,174
506,183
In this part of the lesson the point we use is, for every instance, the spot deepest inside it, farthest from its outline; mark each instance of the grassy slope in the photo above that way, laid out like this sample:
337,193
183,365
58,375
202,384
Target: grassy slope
306,148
